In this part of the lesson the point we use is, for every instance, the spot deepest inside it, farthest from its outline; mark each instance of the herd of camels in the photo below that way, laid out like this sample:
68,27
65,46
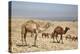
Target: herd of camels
34,28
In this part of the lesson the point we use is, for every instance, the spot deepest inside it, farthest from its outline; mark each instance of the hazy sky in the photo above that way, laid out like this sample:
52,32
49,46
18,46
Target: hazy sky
44,10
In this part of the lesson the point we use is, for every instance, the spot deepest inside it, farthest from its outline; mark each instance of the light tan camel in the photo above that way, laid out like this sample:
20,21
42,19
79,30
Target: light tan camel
34,28
59,31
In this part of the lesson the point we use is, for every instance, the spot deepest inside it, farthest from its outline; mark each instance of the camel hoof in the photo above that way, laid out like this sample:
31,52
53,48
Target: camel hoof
58,42
22,45
34,45
54,42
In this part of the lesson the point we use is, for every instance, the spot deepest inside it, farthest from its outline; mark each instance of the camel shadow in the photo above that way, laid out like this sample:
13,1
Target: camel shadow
56,42
21,45
26,45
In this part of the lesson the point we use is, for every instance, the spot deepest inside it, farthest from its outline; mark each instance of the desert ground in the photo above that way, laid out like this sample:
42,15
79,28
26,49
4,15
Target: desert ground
44,44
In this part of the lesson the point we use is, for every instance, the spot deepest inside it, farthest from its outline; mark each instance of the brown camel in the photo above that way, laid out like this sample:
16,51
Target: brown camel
73,38
59,31
45,34
32,27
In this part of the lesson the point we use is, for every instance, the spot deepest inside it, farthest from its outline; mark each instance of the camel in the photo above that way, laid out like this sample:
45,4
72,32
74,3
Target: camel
74,38
45,34
59,31
68,37
34,28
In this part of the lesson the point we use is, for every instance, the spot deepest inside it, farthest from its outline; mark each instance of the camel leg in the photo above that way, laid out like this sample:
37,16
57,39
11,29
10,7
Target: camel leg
42,35
35,39
22,38
23,35
61,39
56,38
66,38
45,36
25,38
53,38
48,36
32,34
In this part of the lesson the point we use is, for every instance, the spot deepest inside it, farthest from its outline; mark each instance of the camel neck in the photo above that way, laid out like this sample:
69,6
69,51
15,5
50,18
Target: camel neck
65,31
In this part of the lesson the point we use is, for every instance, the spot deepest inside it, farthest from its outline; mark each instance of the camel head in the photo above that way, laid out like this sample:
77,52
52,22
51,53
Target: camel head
47,25
30,21
66,29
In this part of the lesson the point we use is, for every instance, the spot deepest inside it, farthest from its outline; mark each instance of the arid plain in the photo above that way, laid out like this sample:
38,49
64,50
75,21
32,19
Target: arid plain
44,44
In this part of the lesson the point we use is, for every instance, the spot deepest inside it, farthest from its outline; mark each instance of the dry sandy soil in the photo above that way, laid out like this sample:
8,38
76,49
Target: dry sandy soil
44,44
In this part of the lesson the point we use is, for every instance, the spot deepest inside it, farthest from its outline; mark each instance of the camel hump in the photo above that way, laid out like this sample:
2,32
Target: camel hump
58,29
30,24
30,21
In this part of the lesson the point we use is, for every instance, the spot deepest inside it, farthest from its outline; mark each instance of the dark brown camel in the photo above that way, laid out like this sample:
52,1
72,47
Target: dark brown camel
59,31
45,34
32,27
74,38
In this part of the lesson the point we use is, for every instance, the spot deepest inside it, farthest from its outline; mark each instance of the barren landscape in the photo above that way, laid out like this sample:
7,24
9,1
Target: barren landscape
44,44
